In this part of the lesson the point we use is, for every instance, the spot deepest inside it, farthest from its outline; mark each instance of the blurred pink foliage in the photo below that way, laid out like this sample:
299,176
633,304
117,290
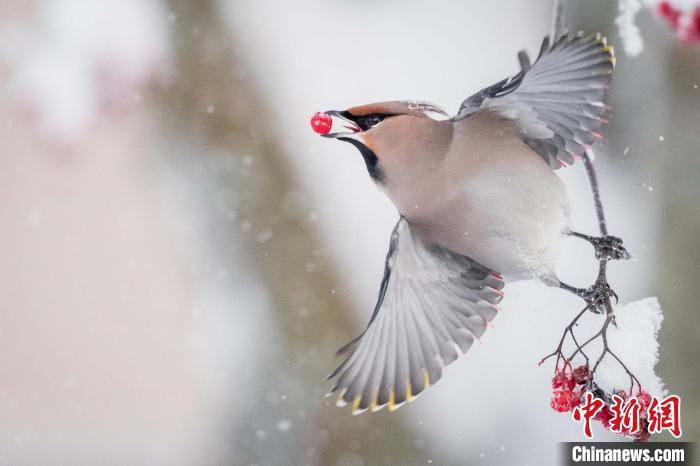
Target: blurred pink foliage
75,60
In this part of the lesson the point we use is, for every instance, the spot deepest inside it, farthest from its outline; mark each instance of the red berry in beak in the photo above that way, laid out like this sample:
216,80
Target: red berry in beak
321,123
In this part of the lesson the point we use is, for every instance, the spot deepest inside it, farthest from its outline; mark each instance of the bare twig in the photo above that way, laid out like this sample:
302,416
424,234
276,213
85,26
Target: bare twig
558,19
593,181
559,351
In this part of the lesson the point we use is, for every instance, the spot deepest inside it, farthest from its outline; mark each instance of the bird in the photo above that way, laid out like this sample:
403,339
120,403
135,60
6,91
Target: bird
479,204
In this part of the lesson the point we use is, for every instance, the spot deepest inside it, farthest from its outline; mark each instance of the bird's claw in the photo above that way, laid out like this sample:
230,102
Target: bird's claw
597,295
610,248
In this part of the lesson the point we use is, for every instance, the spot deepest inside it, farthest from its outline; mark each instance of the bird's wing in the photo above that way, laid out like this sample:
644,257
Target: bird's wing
432,305
558,103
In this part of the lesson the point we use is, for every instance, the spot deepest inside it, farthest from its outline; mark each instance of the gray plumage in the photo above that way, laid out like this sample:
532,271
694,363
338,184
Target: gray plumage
477,198
558,103
432,305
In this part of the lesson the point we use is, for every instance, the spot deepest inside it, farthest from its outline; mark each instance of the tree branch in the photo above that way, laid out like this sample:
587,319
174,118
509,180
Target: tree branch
593,181
558,19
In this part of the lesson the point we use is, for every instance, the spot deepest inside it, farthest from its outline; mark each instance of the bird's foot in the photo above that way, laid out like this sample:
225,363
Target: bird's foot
610,248
606,247
596,296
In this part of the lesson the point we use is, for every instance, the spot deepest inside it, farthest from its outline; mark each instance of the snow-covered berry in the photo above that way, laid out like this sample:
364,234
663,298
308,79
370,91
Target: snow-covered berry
644,400
581,375
563,380
564,400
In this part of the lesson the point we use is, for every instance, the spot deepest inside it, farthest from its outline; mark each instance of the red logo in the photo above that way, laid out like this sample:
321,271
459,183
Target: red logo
665,415
585,413
628,416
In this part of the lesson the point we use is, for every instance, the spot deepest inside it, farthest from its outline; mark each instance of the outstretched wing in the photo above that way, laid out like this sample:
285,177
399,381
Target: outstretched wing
432,305
559,102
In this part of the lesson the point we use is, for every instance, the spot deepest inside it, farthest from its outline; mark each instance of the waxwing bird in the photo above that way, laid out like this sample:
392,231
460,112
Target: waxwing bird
479,203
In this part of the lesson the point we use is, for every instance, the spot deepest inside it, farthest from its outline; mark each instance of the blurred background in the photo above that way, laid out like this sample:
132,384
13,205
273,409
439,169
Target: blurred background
181,255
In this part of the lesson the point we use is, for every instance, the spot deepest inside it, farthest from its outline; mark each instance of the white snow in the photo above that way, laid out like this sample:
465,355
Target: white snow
635,342
629,31
284,425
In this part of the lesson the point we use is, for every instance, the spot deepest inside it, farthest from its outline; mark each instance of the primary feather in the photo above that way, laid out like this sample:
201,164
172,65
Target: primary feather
432,305
558,103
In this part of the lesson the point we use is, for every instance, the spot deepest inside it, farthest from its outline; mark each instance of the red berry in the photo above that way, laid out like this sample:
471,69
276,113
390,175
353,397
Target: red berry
564,400
670,13
575,399
321,123
644,400
685,22
558,380
694,27
564,381
581,374
560,402
604,416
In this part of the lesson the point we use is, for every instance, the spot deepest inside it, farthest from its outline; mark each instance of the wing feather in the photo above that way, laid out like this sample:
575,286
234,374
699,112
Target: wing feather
559,102
432,305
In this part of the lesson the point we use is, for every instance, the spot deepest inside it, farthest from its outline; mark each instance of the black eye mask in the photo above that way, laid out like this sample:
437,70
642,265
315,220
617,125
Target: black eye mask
366,122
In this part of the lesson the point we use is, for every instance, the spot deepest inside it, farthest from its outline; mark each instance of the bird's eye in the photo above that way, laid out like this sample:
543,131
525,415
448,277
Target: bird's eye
368,121
373,120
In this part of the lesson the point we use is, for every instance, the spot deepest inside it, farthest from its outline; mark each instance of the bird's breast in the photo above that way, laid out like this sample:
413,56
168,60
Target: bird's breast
506,211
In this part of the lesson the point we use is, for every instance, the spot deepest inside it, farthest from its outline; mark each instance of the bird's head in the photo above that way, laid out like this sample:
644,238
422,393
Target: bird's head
374,127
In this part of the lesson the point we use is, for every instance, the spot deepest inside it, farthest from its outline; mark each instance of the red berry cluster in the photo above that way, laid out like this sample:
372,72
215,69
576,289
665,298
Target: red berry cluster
568,388
605,415
686,23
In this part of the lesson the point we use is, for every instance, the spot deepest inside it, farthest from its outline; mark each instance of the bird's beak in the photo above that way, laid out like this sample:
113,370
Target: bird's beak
342,119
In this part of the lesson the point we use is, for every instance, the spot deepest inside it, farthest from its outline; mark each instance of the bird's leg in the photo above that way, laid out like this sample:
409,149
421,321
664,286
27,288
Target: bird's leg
606,247
595,295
